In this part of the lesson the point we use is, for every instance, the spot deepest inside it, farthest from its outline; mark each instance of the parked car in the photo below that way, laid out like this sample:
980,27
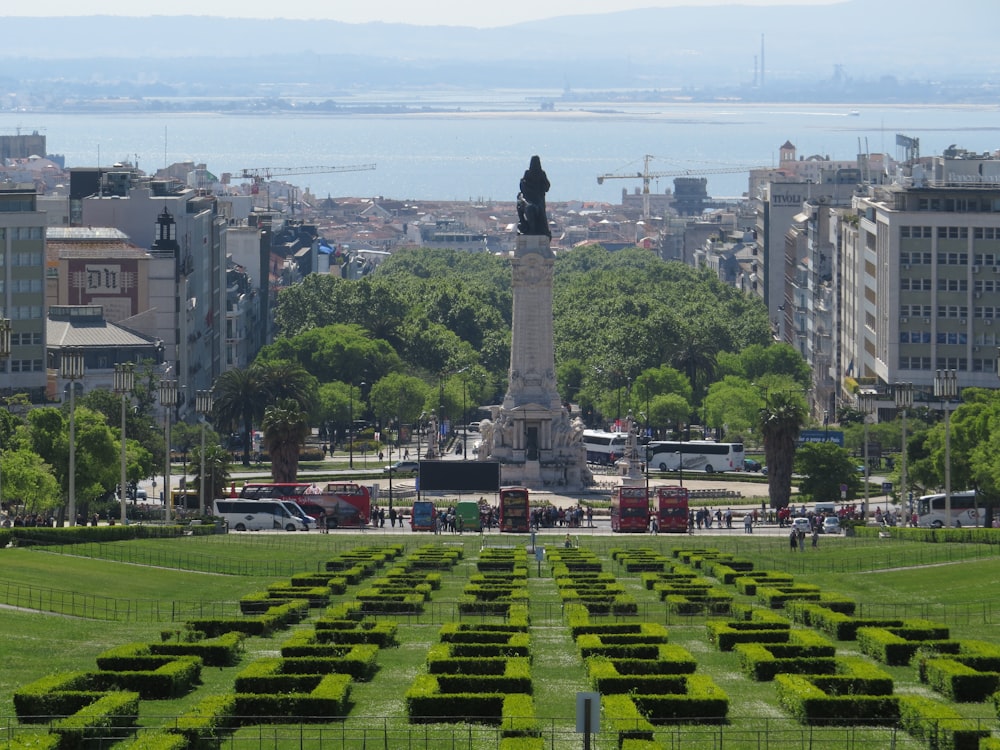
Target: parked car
801,523
750,465
403,466
831,525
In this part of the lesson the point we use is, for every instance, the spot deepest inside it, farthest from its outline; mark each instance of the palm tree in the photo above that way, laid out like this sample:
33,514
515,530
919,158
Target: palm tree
239,400
781,420
241,396
285,427
282,379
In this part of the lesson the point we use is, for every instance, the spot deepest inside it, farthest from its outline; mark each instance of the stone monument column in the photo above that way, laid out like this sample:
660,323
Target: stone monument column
531,433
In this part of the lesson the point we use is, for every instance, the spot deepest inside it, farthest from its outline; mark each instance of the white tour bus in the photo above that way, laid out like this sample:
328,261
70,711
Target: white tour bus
698,455
604,447
964,510
241,514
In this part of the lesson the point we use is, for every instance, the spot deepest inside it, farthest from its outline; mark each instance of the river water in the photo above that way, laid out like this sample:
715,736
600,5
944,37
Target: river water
475,154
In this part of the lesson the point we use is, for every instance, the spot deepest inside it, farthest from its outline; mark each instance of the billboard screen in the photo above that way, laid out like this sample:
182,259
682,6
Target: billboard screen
455,476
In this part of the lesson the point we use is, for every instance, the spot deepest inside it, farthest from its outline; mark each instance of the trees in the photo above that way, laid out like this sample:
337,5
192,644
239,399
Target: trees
241,396
28,481
285,426
824,468
781,420
239,401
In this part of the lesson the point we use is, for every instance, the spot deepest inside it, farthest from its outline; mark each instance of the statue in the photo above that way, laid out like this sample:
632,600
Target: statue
531,218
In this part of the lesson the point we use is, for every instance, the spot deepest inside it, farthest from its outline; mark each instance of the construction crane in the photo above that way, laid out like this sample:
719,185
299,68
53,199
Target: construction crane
265,174
646,176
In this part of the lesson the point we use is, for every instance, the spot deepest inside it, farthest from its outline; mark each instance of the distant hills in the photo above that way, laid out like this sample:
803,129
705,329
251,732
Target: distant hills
854,50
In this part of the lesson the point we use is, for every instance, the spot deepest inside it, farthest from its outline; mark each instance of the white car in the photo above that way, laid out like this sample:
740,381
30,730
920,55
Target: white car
801,523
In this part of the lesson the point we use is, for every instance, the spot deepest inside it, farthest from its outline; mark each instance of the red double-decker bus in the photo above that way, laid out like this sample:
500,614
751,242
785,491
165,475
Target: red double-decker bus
344,504
672,509
630,509
515,513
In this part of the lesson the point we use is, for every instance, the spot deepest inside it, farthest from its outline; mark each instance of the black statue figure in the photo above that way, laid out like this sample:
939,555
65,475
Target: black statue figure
531,218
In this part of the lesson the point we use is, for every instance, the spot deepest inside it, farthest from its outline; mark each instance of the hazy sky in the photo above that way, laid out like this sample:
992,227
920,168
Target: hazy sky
424,12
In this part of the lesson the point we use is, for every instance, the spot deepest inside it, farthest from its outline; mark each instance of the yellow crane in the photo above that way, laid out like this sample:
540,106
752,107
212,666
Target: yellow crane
646,176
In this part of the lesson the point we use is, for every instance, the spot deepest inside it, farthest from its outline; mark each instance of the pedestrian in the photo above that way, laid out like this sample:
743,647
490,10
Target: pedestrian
654,526
802,541
815,539
747,523
793,540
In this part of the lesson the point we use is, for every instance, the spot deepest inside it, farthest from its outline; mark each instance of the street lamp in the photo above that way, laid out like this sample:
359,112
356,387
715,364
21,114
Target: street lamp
71,366
203,405
124,383
904,400
168,399
946,387
866,403
4,354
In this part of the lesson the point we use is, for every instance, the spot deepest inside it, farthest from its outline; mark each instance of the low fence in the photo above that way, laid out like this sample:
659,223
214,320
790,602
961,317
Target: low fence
371,733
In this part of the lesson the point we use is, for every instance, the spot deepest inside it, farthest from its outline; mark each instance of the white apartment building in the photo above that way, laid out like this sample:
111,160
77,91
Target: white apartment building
920,285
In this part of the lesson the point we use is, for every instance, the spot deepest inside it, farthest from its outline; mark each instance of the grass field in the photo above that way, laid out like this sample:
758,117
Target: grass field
150,586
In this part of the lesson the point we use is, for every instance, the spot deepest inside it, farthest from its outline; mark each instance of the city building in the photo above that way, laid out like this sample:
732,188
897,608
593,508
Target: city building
921,276
22,291
183,229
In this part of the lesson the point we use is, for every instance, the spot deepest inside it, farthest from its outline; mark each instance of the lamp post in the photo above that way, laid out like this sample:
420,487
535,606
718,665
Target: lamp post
4,355
946,387
465,424
168,399
71,366
203,405
866,402
904,400
124,383
350,427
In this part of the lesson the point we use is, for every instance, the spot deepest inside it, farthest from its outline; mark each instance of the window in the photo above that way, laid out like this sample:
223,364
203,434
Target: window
25,339
26,365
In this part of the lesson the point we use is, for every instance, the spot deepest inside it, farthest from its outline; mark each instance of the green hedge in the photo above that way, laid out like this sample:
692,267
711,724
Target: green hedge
941,725
621,715
222,651
26,741
426,703
55,695
112,715
703,702
157,740
810,704
207,720
725,635
958,682
328,700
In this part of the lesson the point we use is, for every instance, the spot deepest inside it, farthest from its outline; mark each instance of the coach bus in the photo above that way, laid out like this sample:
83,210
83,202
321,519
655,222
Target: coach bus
604,447
630,509
694,455
257,515
672,509
515,513
344,504
932,510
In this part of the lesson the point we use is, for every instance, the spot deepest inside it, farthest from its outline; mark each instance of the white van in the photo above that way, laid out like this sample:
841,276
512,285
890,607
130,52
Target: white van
257,515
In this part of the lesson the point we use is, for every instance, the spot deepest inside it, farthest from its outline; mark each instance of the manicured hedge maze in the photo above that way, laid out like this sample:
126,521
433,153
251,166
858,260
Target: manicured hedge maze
817,687
580,580
481,673
643,680
309,682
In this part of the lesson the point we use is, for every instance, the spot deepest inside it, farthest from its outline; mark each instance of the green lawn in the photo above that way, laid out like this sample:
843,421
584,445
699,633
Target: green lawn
945,582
